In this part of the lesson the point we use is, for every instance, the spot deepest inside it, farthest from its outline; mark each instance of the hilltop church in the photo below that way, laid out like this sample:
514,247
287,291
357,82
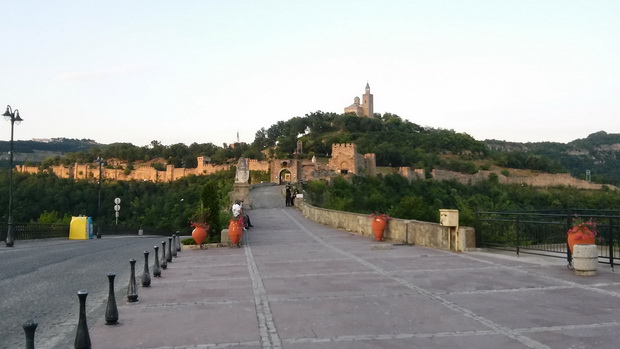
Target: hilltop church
366,108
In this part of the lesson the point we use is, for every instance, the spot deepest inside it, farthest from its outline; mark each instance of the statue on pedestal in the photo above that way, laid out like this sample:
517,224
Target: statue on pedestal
243,172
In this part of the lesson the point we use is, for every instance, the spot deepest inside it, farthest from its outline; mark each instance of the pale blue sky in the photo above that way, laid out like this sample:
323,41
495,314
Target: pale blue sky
199,71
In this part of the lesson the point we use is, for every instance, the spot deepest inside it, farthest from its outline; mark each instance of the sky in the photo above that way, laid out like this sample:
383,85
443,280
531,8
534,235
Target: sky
200,71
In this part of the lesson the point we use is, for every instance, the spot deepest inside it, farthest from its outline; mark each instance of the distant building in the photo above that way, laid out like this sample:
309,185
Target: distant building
366,108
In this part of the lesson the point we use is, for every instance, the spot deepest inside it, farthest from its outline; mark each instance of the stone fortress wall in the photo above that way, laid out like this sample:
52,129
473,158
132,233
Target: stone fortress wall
344,160
141,172
536,180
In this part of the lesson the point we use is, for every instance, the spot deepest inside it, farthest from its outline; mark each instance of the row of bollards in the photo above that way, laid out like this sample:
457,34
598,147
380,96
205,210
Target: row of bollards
82,337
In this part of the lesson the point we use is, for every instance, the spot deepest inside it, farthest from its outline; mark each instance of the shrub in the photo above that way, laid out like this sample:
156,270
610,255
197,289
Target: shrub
188,241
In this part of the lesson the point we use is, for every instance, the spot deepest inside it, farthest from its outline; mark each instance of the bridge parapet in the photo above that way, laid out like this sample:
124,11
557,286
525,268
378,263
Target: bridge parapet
411,232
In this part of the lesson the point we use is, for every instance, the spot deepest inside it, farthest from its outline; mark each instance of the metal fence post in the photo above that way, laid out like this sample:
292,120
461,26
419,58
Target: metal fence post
517,232
569,254
612,230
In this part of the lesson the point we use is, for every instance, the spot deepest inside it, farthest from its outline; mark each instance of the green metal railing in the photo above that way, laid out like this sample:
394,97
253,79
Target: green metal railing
544,232
32,231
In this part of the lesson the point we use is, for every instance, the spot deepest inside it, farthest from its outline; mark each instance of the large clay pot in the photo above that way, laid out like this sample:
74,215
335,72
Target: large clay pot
199,234
378,227
235,231
580,239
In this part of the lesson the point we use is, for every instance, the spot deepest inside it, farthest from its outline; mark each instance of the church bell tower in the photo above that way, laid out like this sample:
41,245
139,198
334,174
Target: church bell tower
367,103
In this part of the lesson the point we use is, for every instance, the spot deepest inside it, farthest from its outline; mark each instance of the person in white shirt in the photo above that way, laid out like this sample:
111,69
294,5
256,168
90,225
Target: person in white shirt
237,212
237,209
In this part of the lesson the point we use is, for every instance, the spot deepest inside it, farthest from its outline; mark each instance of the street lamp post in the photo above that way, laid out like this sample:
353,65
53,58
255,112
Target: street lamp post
13,117
100,161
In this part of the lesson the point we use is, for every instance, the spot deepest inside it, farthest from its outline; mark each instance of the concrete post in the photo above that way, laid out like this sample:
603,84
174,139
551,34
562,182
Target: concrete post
169,253
132,292
174,245
163,262
29,327
585,260
82,337
156,267
111,312
146,275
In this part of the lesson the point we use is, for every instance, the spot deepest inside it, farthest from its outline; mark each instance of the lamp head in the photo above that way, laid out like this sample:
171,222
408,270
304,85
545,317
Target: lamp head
16,118
7,113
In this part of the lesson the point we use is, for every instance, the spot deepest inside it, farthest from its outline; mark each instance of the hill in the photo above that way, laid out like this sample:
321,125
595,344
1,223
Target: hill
396,142
599,153
37,151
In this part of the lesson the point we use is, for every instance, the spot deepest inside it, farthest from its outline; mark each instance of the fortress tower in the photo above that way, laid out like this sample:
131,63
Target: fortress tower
366,108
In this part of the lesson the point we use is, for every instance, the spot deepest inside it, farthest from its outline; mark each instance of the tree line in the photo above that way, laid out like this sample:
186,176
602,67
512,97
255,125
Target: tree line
421,200
46,198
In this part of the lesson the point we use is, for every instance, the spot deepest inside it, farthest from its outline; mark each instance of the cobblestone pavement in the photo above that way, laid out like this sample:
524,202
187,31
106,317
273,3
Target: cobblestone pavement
298,284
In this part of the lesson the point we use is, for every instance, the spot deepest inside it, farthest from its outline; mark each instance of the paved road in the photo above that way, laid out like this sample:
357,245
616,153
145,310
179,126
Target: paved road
39,280
267,197
298,284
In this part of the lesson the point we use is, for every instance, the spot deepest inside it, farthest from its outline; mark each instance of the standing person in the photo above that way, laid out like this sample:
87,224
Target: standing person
288,196
293,196
246,218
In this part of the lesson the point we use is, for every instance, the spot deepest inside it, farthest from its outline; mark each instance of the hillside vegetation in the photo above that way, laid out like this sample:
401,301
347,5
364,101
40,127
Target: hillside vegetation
396,142
599,153
421,200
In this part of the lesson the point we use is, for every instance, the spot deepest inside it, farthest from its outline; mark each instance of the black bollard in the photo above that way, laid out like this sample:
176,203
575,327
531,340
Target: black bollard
29,327
178,242
169,253
163,262
146,276
82,338
132,292
111,313
174,245
156,267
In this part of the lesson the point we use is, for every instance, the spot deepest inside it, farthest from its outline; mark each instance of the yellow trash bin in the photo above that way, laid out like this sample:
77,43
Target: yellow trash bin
78,229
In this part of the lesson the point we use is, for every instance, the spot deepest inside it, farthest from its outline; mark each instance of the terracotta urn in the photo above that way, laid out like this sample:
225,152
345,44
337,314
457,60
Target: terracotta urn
199,234
580,238
378,227
235,231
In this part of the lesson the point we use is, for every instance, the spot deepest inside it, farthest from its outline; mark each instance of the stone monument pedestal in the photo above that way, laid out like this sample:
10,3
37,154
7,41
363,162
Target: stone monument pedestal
241,191
224,238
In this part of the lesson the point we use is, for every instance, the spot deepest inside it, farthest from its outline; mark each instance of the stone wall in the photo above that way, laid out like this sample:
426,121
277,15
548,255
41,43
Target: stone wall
341,153
344,158
370,161
537,180
411,174
142,173
411,232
